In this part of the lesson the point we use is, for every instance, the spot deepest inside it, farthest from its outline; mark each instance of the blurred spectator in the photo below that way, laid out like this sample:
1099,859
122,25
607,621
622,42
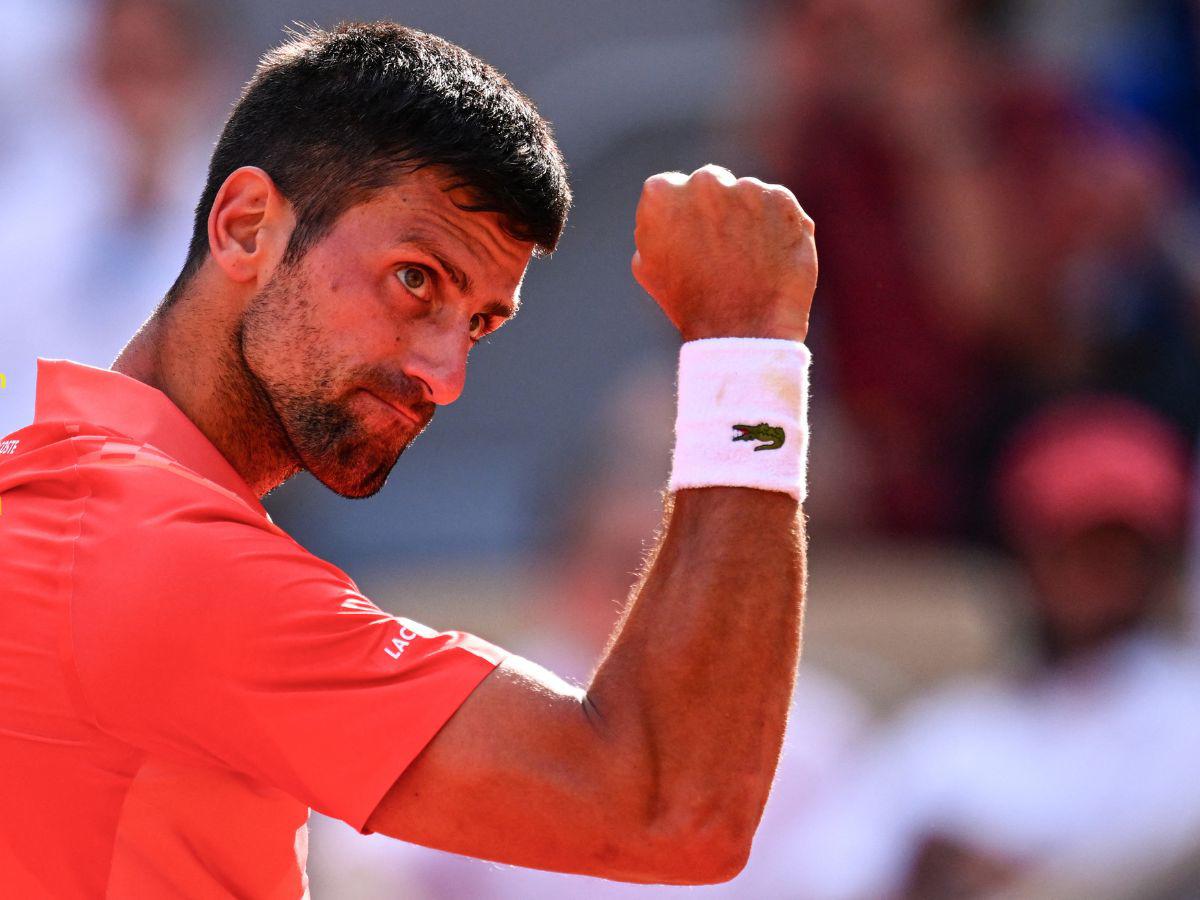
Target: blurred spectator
99,190
1087,758
987,242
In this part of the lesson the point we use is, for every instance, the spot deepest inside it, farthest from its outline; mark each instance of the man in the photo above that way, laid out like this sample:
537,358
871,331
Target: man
182,682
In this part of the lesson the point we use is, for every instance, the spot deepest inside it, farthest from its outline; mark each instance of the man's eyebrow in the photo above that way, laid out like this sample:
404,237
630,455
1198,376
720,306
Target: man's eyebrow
502,308
455,274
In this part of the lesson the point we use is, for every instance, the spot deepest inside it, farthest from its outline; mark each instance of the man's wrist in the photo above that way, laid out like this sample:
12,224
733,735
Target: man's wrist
742,417
787,331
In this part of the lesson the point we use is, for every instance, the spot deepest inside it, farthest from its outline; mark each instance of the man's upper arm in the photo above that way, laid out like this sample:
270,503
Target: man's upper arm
202,633
525,774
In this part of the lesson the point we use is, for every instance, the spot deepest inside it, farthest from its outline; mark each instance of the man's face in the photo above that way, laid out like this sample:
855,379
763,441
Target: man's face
356,344
1097,583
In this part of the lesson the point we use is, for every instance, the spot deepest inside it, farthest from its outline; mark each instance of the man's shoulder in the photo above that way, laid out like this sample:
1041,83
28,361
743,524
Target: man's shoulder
141,474
101,459
144,525
106,474
174,546
142,508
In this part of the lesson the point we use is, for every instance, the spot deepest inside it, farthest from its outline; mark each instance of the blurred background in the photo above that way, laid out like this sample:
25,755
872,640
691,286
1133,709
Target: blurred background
1000,694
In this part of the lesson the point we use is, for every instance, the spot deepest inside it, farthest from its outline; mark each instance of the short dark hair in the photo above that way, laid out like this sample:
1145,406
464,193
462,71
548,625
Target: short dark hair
333,116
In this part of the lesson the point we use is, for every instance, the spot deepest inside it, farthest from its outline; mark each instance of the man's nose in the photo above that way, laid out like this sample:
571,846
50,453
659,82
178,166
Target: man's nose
439,360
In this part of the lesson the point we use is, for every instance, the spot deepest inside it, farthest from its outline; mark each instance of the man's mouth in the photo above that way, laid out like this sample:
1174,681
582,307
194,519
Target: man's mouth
398,408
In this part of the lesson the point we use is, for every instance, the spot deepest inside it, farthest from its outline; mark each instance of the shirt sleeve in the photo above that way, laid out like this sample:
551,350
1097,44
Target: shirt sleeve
202,632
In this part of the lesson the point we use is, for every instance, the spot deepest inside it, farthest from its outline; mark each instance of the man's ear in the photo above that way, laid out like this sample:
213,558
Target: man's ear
249,226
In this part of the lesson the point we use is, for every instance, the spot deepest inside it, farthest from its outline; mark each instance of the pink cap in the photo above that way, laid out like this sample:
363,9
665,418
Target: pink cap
1091,460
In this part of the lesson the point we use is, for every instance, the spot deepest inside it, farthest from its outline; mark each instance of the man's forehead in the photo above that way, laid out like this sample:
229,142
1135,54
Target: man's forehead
432,198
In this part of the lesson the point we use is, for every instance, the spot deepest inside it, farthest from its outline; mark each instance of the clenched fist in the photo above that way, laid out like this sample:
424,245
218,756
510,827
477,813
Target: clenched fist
725,257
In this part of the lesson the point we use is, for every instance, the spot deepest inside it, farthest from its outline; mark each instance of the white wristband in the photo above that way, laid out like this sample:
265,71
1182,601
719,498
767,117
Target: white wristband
742,419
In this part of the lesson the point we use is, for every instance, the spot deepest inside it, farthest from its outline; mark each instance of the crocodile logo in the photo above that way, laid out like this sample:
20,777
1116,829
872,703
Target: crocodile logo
771,435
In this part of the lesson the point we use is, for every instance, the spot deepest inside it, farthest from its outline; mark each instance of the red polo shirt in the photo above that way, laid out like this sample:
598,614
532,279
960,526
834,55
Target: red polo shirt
180,681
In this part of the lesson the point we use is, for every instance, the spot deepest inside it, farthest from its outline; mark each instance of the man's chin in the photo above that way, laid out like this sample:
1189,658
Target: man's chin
354,482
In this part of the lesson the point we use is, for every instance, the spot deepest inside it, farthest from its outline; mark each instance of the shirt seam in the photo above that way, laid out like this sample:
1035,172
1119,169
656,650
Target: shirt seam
112,856
68,651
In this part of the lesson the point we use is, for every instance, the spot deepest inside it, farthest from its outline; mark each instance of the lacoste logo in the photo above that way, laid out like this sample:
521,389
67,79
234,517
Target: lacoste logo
771,435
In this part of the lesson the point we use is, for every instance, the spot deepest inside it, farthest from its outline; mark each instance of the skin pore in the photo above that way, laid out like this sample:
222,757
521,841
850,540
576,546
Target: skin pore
336,362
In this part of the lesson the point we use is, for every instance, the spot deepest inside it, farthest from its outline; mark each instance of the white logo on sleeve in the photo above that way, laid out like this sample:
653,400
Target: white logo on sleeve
409,630
400,644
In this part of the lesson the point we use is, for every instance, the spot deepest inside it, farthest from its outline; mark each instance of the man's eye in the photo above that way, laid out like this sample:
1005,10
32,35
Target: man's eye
478,326
414,278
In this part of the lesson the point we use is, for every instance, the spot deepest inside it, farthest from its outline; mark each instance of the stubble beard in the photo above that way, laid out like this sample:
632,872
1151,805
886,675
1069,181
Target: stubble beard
280,352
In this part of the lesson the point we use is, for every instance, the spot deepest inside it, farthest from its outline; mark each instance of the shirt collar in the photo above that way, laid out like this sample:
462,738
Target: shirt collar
73,392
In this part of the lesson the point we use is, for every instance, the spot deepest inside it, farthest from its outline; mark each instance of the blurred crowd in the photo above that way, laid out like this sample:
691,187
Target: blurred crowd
994,235
1000,695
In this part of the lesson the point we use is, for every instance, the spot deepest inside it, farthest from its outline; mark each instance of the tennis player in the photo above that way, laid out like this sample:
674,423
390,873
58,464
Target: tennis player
181,682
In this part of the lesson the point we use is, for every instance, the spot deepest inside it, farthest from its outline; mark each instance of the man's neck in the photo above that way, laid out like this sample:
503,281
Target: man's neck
192,354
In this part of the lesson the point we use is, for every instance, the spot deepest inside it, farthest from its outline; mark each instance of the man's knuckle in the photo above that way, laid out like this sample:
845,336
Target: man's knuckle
711,174
756,184
781,196
661,181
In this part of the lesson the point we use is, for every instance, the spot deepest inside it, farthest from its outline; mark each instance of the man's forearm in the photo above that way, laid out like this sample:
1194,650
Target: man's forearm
659,771
694,690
